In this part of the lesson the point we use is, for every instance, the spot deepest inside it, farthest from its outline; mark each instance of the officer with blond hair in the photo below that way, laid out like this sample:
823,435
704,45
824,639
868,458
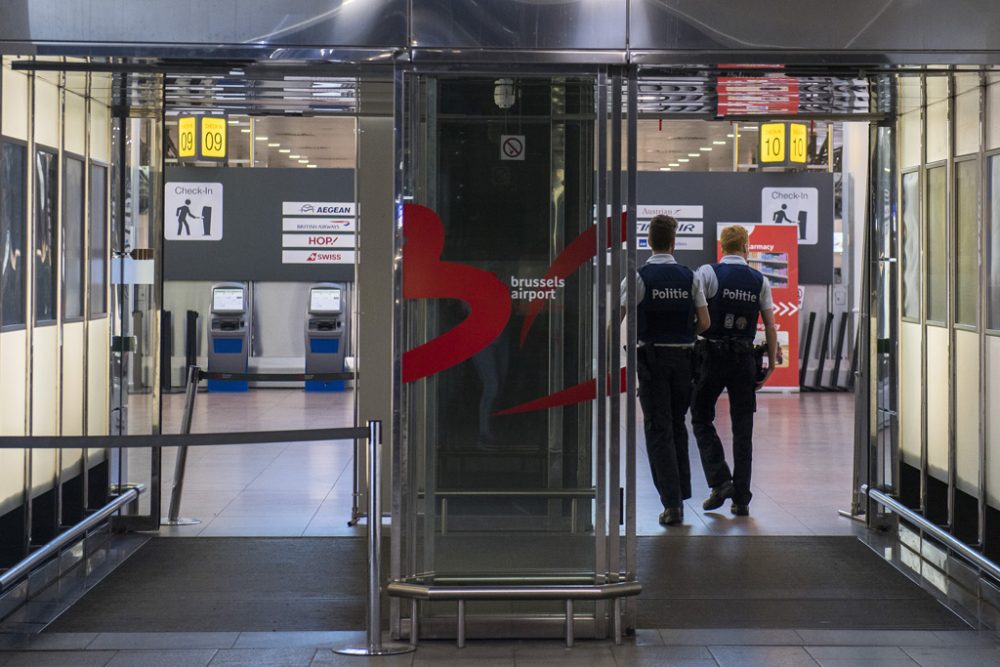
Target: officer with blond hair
737,296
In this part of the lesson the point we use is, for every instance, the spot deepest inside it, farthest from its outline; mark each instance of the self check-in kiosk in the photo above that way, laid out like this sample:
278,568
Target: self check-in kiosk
228,335
327,327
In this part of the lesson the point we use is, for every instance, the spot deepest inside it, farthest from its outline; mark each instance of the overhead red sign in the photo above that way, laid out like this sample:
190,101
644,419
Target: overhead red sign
774,251
757,95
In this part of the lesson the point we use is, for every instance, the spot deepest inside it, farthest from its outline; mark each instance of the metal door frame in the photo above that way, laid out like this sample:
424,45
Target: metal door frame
613,500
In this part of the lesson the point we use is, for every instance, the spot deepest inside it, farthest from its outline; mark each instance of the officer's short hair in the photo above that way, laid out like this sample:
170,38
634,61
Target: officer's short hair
662,233
734,238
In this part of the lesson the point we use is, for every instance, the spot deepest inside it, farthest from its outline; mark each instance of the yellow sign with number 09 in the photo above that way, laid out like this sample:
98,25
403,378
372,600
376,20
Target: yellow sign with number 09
772,143
213,137
186,137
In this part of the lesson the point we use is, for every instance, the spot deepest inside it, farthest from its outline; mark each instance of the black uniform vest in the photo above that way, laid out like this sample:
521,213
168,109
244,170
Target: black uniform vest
736,305
666,312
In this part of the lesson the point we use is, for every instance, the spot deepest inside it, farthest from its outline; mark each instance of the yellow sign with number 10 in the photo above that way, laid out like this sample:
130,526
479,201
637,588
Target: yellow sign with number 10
772,142
186,137
213,137
797,143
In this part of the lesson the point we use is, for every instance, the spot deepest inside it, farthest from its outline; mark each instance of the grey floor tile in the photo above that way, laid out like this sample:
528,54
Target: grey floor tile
580,660
54,641
264,657
461,661
953,656
967,638
163,658
667,656
869,638
723,637
164,640
762,656
845,656
314,640
647,638
326,658
59,659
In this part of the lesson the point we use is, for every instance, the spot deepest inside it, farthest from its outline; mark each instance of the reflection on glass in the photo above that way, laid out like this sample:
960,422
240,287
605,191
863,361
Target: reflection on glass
966,251
46,214
72,238
993,246
507,221
13,217
936,248
910,245
98,239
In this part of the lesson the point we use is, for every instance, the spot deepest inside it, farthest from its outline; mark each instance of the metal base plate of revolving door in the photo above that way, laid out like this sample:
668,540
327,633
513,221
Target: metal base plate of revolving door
384,649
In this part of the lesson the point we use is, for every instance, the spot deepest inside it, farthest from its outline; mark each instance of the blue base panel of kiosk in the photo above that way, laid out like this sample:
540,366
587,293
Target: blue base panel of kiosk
229,386
321,385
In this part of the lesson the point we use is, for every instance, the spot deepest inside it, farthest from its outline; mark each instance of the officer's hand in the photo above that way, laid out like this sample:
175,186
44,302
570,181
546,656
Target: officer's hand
767,375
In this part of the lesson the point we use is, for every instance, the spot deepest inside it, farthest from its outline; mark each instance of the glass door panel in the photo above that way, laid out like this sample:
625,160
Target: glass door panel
499,327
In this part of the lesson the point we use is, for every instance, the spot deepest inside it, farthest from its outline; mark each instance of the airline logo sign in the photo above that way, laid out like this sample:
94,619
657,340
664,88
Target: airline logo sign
321,208
690,224
318,225
318,232
317,240
317,257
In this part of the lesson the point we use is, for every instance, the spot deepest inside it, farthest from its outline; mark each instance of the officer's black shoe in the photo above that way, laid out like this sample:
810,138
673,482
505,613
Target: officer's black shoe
740,510
672,516
717,498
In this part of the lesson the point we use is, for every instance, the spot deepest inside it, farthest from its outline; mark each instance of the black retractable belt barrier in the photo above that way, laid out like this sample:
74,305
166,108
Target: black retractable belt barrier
166,350
191,339
834,384
179,439
823,349
805,352
854,359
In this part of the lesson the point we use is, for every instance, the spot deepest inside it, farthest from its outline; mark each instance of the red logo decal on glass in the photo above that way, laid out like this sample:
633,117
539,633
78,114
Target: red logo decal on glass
581,250
425,276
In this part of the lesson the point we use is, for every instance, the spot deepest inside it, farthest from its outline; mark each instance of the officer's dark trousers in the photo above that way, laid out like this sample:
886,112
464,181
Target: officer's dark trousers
665,395
729,366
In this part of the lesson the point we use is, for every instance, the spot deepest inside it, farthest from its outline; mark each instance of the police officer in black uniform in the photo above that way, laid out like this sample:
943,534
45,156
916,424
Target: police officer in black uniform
737,294
671,308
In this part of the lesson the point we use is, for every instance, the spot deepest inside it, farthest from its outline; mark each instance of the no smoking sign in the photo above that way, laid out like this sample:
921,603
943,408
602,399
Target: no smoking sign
512,147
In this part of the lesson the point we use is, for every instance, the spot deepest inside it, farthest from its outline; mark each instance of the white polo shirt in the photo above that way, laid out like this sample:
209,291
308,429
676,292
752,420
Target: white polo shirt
640,287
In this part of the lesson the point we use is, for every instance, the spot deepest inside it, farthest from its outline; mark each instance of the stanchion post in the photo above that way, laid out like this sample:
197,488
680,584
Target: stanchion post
177,490
375,645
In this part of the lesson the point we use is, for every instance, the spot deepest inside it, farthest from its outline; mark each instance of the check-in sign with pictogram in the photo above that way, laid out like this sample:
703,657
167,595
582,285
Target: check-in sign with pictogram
512,147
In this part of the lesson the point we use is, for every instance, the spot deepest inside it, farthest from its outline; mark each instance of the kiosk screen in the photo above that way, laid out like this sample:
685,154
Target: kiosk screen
324,301
227,300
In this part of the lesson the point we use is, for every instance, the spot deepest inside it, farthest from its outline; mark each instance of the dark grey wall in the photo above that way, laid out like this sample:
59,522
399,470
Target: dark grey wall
251,243
859,31
728,197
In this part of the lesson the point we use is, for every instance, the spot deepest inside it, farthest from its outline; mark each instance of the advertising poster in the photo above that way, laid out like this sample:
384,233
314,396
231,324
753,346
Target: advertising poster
774,252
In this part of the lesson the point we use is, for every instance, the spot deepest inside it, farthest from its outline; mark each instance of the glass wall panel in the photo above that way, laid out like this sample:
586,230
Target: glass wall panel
966,113
46,214
13,219
936,247
993,111
937,118
98,239
909,121
910,245
993,246
966,247
73,239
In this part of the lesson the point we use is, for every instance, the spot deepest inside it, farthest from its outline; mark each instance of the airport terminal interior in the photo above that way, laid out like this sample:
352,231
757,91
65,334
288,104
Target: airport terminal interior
318,332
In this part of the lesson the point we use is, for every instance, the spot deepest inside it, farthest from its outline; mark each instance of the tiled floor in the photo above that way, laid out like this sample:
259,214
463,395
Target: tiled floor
802,469
690,648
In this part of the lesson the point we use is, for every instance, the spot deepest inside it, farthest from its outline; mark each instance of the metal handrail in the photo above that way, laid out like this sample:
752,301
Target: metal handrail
544,592
959,547
52,548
